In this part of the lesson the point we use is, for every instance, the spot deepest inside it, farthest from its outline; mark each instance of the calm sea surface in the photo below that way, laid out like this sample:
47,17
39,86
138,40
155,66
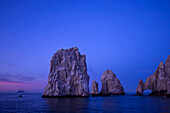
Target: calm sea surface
33,102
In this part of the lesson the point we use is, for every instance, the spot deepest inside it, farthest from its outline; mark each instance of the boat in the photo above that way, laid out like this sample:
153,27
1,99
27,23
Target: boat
20,91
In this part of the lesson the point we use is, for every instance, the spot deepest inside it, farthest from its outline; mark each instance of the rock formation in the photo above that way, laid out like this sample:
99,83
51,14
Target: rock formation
167,69
68,74
140,87
159,82
111,84
94,87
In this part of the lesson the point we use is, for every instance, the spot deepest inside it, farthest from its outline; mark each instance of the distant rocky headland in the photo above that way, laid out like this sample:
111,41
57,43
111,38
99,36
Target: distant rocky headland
68,77
158,82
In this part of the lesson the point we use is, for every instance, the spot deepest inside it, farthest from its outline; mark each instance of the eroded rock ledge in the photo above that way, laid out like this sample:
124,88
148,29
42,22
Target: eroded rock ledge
158,82
68,75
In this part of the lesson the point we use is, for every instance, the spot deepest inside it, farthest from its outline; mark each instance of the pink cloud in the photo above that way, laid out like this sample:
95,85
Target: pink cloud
15,83
14,86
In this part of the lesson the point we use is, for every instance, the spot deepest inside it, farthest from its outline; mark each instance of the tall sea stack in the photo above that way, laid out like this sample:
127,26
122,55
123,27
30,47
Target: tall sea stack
158,82
68,74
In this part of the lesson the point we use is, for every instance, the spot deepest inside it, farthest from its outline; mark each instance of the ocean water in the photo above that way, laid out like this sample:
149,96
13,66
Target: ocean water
33,102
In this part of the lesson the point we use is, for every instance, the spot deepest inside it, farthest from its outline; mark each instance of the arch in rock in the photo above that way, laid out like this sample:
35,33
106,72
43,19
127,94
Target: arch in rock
158,82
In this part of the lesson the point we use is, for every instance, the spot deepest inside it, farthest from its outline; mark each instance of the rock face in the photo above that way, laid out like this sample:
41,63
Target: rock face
167,69
68,74
111,84
167,65
159,82
94,88
140,87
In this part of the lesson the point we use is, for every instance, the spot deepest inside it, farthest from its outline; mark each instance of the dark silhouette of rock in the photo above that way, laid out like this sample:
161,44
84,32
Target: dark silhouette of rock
94,91
159,82
111,84
68,74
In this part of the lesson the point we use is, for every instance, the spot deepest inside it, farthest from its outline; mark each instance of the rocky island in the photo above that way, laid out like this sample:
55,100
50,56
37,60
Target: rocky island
94,87
68,75
158,82
111,84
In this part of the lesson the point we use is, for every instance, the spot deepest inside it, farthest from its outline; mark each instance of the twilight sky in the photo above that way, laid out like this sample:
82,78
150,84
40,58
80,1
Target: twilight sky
130,37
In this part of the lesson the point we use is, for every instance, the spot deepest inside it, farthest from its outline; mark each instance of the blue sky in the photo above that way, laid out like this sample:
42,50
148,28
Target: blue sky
130,37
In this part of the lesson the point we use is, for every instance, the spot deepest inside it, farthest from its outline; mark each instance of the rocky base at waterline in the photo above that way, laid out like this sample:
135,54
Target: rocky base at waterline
68,75
159,82
103,95
66,96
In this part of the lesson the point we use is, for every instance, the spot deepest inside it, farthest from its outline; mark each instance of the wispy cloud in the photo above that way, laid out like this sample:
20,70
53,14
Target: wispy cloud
35,59
15,78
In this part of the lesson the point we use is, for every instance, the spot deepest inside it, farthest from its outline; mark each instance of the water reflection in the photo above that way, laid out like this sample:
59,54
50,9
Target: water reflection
117,104
73,105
